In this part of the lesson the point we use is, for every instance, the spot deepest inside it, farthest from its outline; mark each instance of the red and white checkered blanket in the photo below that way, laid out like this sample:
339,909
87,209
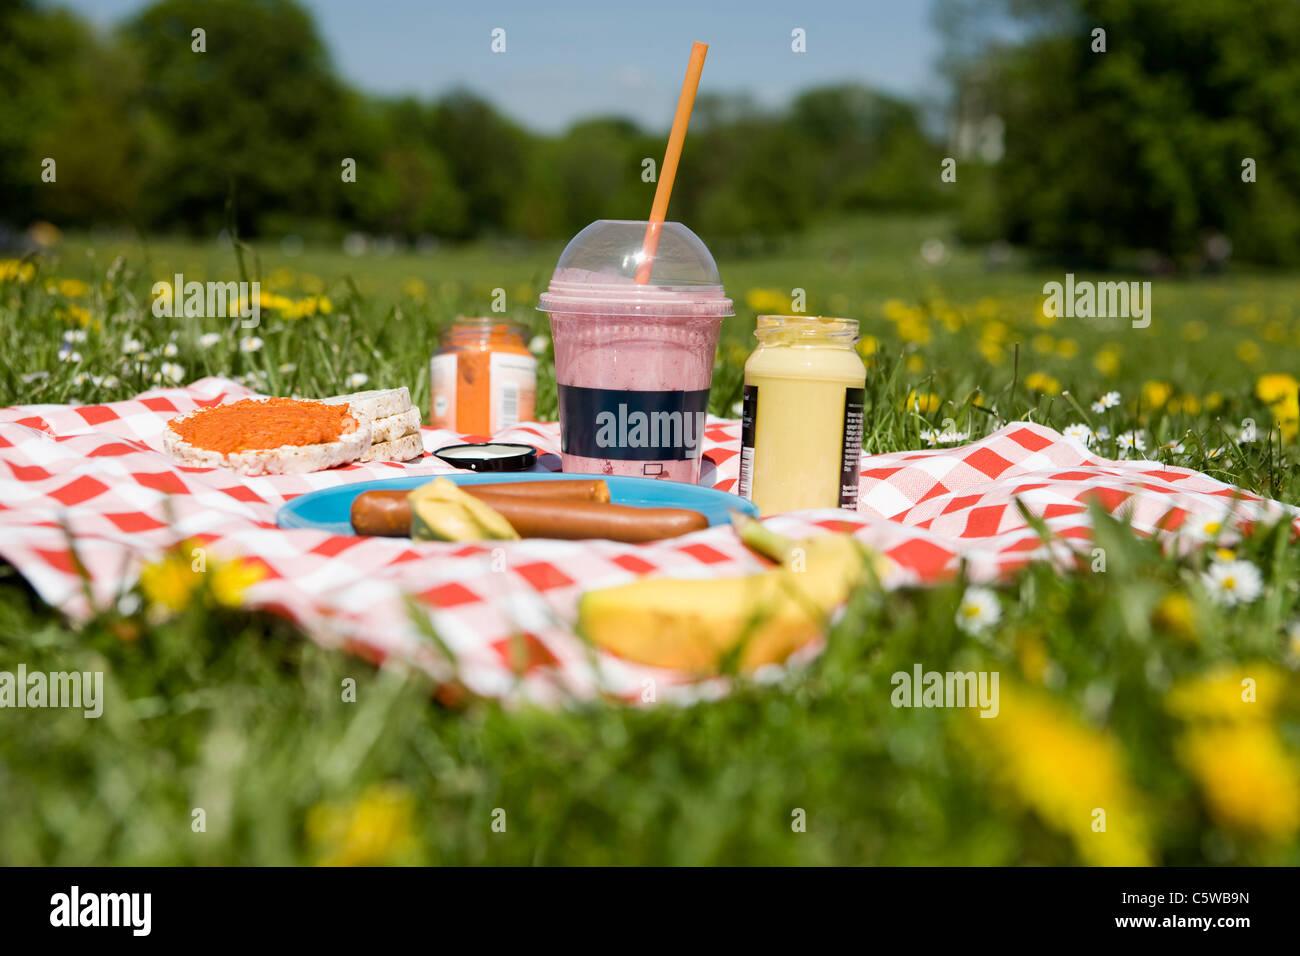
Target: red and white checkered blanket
98,472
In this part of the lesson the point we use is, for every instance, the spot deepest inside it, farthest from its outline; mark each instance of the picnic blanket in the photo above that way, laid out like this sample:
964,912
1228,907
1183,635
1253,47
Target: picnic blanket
97,472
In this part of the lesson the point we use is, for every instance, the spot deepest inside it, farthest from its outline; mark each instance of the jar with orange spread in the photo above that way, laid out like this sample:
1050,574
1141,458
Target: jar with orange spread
482,377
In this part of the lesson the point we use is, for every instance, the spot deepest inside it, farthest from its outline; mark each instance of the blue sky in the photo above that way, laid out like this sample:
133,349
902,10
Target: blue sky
568,59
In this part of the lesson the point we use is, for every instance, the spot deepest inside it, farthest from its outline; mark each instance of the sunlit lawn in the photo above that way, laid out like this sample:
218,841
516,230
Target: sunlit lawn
241,716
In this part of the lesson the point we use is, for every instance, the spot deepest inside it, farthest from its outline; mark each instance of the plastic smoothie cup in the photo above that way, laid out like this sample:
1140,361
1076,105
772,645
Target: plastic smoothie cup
633,362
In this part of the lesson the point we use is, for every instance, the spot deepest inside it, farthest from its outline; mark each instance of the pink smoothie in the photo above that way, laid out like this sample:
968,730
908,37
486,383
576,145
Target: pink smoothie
631,357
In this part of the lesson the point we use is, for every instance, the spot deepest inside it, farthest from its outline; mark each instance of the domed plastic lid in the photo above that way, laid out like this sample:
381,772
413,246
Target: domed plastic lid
596,273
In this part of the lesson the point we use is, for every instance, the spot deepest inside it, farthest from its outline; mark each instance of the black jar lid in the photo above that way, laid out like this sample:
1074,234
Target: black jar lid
489,456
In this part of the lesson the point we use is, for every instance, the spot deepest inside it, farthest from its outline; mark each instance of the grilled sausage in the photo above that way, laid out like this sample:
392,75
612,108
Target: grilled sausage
549,518
388,513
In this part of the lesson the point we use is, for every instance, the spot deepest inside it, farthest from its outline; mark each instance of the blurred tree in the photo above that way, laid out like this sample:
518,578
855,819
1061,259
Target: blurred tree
149,129
259,115
68,98
1141,146
488,156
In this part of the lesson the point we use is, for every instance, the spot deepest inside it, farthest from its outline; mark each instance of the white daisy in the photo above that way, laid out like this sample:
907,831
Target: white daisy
110,381
172,372
1232,582
1248,432
209,339
68,354
1080,433
130,346
979,610
81,378
737,408
170,350
288,368
1130,441
1109,400
1103,433
356,380
539,344
251,344
1174,448
933,436
75,336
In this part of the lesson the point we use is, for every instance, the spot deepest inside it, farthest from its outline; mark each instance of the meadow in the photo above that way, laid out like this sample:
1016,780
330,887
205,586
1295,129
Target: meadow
1120,688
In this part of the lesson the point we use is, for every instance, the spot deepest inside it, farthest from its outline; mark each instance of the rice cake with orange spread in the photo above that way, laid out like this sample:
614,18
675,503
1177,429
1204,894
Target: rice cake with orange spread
267,436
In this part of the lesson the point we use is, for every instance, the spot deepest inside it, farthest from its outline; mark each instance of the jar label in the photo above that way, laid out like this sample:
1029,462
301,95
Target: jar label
628,425
850,472
748,423
850,457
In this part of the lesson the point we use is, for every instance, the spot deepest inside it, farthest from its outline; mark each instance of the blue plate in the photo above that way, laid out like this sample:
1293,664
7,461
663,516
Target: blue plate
330,508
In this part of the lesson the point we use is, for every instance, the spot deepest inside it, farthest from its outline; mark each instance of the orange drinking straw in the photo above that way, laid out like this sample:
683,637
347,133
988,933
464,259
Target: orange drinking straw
668,172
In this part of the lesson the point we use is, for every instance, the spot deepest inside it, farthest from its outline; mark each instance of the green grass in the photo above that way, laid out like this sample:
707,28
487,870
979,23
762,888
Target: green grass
241,716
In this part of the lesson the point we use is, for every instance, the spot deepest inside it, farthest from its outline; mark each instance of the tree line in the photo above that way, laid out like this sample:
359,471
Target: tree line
254,132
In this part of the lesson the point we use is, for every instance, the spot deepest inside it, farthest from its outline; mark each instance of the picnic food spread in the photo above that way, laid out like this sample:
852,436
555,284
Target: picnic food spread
634,310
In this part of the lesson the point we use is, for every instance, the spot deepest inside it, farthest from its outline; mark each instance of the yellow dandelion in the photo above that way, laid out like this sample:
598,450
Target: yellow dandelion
1041,382
280,278
1106,361
230,579
868,345
77,314
1175,615
915,364
925,403
377,828
15,270
73,288
765,301
1187,404
995,332
1033,657
1065,772
1239,692
1281,392
1155,394
1276,387
1274,332
915,328
169,584
992,352
1247,777
1067,348
895,310
414,288
1250,314
1248,351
